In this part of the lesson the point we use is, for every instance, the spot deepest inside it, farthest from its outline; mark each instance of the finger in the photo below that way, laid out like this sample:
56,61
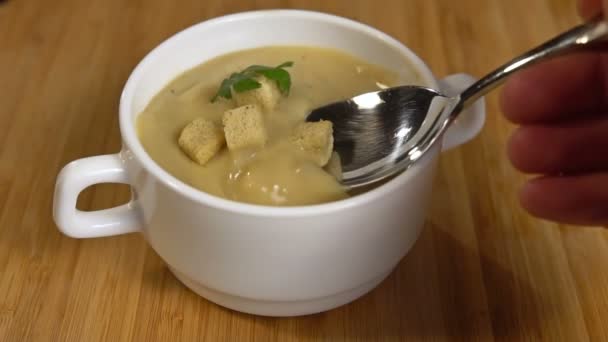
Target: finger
561,148
589,8
556,89
574,199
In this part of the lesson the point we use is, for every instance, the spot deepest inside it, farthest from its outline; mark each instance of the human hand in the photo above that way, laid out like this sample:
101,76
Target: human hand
562,107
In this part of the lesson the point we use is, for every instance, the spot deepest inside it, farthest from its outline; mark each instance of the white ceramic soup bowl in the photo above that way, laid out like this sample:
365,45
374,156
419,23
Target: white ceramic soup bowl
259,259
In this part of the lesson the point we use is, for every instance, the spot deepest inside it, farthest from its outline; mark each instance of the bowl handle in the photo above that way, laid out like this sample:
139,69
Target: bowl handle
468,124
74,178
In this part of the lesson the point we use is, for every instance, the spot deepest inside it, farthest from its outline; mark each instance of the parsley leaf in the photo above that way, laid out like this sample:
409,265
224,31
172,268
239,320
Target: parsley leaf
245,80
285,65
281,77
245,84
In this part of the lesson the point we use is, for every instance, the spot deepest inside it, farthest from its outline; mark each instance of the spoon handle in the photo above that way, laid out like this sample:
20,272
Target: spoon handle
588,35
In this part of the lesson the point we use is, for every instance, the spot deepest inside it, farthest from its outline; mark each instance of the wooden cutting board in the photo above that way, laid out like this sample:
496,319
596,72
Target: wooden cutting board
483,269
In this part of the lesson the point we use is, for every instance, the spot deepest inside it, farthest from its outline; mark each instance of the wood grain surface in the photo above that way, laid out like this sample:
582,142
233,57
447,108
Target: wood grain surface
482,270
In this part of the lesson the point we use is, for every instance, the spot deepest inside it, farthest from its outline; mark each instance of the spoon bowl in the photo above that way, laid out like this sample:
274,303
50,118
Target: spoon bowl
380,133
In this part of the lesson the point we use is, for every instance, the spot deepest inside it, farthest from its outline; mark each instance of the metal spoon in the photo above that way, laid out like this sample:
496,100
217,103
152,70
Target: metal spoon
382,133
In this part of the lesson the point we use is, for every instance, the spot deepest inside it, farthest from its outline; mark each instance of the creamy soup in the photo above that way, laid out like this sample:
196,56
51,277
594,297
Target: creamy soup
276,173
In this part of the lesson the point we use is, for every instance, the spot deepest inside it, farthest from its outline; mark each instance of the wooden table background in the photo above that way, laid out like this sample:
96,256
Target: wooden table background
483,269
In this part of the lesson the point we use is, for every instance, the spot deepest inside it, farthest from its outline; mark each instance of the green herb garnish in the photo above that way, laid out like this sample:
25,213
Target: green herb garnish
245,80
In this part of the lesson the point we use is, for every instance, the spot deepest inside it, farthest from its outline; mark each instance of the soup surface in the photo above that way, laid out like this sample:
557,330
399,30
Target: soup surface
277,173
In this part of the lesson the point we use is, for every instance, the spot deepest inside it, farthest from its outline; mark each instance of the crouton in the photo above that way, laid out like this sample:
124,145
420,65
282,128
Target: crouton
267,96
244,127
201,139
334,166
315,139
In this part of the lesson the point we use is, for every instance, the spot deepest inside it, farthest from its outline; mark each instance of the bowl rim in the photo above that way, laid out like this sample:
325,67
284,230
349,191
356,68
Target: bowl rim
133,149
